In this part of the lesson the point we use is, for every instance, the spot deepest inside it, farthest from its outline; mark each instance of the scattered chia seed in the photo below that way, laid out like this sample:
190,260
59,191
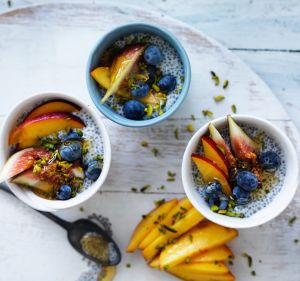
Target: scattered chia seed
292,220
144,144
176,133
144,188
155,151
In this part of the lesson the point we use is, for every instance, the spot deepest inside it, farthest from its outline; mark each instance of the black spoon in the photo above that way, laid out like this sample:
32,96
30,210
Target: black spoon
83,228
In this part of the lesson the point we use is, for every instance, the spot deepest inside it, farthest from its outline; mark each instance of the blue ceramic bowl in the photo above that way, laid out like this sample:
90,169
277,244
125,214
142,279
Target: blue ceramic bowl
107,41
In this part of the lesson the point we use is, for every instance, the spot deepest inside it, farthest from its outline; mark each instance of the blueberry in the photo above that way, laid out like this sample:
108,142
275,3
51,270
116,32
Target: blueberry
151,73
134,109
167,83
71,150
152,55
240,195
93,170
223,204
71,136
213,187
64,192
141,90
247,180
269,160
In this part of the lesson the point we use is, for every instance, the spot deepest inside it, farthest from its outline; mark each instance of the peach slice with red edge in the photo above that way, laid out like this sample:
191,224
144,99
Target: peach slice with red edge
212,152
211,172
21,161
53,106
28,178
122,66
243,146
218,139
30,131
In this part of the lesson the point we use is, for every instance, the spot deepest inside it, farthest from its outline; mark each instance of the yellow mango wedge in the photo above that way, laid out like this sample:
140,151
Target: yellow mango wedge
102,76
221,253
122,66
205,236
148,223
109,273
191,218
179,210
202,268
155,263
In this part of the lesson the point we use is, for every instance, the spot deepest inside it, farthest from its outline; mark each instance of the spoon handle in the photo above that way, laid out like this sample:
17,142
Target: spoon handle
59,221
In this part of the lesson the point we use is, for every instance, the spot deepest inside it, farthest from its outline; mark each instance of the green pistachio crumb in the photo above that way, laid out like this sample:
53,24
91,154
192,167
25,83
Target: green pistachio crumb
222,212
190,128
253,273
181,78
207,113
133,189
214,208
191,237
219,98
162,187
249,258
170,229
215,78
292,220
160,111
145,187
144,144
155,88
158,203
81,209
176,133
225,84
170,179
171,174
149,110
128,265
233,108
296,241
155,151
193,117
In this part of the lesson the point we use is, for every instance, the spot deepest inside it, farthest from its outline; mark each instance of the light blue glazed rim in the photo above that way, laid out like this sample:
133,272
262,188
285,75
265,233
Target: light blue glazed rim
106,41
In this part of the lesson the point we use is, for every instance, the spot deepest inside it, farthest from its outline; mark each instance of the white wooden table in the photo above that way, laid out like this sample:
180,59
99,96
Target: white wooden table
37,54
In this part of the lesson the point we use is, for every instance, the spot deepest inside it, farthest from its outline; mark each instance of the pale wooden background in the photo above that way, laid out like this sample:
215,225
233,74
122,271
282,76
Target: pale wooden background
265,34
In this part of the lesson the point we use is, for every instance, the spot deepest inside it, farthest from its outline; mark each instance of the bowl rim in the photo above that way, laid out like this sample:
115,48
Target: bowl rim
28,196
287,191
174,42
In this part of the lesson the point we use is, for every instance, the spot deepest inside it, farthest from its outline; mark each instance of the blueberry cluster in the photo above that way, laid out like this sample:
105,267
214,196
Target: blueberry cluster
136,110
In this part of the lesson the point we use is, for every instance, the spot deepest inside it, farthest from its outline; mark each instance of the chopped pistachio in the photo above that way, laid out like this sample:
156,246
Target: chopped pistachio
37,168
296,241
190,128
128,265
162,187
233,108
222,212
155,151
170,179
215,78
207,113
144,144
214,208
249,259
225,84
155,88
160,112
176,133
191,237
219,98
159,202
133,189
149,110
181,78
170,229
81,209
292,220
171,174
193,117
145,187
99,158
253,273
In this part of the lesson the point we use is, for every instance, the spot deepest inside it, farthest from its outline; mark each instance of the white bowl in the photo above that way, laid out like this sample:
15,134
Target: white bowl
279,202
28,196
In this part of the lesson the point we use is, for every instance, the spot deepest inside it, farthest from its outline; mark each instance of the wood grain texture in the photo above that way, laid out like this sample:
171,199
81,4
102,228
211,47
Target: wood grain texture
45,48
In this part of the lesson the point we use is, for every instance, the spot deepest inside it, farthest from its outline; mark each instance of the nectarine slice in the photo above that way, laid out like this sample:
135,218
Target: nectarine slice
53,106
212,152
211,172
29,132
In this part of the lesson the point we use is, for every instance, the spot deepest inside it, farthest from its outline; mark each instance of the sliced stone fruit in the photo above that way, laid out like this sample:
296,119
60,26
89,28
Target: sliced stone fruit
243,146
30,131
212,152
21,161
211,172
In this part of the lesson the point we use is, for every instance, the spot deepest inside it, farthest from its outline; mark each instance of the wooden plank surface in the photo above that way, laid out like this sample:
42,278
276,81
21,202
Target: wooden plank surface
52,43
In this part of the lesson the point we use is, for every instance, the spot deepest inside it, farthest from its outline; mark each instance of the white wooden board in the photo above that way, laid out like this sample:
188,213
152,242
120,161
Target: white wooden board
45,48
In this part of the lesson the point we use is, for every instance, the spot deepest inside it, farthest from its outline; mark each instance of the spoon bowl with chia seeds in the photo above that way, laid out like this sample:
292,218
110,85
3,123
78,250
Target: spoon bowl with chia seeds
272,191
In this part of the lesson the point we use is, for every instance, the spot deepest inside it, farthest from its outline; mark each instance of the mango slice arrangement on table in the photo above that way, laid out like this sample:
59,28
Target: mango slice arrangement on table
140,79
176,238
53,151
230,179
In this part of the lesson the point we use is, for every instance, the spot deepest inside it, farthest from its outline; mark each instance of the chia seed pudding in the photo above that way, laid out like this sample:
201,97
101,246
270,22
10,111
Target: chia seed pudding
56,150
154,82
270,180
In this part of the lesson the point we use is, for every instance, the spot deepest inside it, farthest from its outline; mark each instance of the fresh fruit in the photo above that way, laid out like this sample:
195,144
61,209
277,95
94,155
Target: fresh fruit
70,136
77,172
121,67
191,218
269,160
140,90
213,199
220,142
241,196
153,55
134,110
223,202
221,253
53,106
21,161
148,223
201,238
175,214
71,150
64,192
243,146
93,170
151,70
167,83
212,152
213,188
247,180
28,178
211,172
30,131
102,76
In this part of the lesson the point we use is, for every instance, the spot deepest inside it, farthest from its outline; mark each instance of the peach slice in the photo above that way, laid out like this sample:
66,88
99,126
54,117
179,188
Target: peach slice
53,106
122,66
218,139
243,146
28,178
29,132
212,152
21,161
210,172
